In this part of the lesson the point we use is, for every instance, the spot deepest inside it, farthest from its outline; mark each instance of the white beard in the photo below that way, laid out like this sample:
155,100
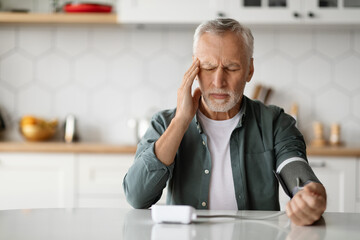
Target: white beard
221,105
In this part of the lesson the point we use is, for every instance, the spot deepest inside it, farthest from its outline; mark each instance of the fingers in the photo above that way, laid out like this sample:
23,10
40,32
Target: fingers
187,103
305,208
291,214
316,203
191,73
305,215
315,188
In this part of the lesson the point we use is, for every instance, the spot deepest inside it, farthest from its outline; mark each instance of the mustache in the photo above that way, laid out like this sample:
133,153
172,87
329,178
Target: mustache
219,91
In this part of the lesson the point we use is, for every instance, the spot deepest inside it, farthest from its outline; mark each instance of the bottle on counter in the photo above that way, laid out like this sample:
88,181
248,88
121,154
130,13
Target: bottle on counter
335,135
319,140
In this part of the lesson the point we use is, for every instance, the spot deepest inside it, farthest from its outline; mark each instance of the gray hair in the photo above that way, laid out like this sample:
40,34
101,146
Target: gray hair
221,25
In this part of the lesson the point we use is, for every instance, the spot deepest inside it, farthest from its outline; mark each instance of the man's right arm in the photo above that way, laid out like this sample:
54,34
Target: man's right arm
145,180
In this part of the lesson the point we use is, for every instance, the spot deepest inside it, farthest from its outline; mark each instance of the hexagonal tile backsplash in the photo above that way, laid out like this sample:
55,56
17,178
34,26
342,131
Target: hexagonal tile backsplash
108,75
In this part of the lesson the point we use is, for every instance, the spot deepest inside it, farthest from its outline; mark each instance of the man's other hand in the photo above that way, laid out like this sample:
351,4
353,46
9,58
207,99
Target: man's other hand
307,205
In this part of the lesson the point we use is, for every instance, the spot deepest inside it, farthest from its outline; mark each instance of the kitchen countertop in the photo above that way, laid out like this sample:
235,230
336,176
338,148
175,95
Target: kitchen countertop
135,224
344,151
62,147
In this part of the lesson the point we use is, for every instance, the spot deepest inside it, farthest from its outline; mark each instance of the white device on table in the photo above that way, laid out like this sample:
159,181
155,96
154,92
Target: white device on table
173,214
186,214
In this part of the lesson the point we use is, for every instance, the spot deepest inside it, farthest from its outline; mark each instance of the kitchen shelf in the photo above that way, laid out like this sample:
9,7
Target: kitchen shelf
340,151
93,18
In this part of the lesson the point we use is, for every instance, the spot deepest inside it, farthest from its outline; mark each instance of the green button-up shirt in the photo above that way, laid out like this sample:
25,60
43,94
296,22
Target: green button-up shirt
264,137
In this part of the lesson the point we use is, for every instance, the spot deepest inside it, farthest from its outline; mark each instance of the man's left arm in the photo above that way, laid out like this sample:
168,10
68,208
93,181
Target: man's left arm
308,204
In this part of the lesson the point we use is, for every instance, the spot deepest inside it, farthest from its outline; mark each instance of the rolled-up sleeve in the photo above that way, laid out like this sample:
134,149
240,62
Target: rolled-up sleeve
147,177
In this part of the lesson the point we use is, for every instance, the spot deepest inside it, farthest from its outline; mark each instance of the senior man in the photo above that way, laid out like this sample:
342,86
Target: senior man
219,149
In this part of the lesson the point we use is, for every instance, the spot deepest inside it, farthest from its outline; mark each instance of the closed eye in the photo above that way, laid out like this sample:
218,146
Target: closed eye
207,69
232,69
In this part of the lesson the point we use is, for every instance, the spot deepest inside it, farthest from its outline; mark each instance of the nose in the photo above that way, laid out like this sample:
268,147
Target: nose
219,78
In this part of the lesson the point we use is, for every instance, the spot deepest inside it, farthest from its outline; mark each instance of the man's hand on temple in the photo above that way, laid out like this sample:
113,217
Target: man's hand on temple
308,205
187,104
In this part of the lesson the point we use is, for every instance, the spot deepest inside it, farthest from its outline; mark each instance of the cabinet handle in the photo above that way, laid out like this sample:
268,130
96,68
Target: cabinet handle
317,164
311,14
296,14
221,14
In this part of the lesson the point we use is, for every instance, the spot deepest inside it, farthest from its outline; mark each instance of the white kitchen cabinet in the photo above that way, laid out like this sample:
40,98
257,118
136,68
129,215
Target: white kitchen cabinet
36,180
331,11
295,11
338,174
100,178
264,12
245,11
167,11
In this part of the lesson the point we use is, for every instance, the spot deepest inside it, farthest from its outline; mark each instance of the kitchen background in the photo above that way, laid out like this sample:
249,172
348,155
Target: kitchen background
106,75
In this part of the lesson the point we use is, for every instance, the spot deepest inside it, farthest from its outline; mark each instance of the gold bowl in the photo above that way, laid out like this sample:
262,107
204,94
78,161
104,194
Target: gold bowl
37,129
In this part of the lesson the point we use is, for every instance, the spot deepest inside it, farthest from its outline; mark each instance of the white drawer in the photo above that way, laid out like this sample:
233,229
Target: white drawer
103,203
102,174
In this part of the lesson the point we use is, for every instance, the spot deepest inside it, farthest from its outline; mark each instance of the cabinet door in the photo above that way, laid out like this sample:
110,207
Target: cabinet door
167,11
332,11
100,178
265,11
36,180
338,176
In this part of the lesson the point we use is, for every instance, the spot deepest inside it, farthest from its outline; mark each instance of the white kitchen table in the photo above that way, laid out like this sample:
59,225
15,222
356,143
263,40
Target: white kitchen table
87,224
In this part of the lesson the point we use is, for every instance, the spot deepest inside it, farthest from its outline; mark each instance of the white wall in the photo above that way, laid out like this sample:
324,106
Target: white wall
108,74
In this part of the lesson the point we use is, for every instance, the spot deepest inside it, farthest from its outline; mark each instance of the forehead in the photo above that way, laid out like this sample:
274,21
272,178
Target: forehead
227,45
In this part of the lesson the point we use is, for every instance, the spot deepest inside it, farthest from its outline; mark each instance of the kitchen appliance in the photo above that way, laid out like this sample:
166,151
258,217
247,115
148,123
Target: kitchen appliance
70,129
2,123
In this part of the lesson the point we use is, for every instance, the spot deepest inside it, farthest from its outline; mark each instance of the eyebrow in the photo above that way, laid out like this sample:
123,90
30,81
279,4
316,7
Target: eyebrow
207,64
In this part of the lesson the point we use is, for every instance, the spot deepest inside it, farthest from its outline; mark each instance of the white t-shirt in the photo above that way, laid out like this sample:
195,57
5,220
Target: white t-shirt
222,191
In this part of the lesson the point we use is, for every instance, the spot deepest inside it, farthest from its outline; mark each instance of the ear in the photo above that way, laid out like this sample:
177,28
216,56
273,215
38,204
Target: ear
251,70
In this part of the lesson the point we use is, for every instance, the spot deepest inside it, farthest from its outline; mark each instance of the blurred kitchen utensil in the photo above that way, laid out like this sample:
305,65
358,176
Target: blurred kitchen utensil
70,134
139,126
335,139
294,111
262,93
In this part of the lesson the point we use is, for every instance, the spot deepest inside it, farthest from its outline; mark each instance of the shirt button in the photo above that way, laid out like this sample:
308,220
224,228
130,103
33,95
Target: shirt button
206,171
203,143
203,204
